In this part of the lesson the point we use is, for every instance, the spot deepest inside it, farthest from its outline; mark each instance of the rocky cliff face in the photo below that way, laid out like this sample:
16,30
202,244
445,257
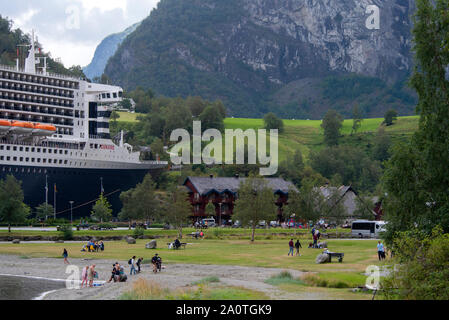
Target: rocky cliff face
327,35
244,51
105,50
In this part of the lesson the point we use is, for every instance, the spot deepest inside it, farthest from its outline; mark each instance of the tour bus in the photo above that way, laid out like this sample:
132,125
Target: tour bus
367,229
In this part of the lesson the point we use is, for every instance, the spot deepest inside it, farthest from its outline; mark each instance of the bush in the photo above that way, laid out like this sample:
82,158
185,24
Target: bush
67,232
421,271
139,232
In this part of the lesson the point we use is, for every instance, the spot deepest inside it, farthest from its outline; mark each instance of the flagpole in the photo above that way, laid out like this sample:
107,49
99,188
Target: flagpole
55,202
46,190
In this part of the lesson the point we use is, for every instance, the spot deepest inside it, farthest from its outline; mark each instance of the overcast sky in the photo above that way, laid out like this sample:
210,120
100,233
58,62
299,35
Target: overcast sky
72,29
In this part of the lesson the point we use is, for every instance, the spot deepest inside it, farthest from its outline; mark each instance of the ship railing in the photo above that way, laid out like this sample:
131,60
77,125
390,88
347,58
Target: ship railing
165,163
48,74
44,144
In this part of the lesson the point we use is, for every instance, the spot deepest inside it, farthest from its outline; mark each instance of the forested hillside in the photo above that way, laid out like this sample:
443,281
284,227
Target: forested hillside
295,58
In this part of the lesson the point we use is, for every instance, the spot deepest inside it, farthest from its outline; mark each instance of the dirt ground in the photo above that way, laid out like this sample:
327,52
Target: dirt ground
172,276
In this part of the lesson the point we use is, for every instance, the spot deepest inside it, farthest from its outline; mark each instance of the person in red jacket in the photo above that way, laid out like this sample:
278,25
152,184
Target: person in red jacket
292,246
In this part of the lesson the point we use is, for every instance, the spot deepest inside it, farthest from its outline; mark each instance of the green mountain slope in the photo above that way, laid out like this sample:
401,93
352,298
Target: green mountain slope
286,56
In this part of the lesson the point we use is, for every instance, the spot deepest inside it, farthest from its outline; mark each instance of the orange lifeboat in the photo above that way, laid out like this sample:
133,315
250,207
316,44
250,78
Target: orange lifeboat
20,127
5,126
43,130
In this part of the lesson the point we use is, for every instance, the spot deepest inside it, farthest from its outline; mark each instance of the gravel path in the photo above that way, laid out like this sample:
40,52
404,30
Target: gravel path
172,277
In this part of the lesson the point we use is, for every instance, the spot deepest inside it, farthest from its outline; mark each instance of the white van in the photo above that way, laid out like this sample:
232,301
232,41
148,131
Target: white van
367,229
210,223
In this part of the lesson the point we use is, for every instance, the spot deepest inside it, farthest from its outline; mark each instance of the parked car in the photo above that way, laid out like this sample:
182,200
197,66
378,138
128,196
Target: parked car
274,224
236,224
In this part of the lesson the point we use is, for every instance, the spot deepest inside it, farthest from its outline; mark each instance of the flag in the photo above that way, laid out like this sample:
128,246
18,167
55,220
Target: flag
55,189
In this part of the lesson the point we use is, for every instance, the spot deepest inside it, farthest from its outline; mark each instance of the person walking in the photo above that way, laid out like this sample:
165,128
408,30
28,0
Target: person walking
291,244
84,276
315,241
132,261
139,262
297,246
65,254
380,251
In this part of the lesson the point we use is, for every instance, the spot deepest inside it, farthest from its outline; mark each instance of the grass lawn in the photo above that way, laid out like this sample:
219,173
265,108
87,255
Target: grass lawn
307,135
333,279
263,253
128,117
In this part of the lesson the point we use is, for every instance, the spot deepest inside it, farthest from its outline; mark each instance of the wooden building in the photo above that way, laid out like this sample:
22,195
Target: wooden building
223,192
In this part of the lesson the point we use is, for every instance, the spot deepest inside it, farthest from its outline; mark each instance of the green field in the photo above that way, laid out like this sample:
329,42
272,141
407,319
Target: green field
263,253
307,135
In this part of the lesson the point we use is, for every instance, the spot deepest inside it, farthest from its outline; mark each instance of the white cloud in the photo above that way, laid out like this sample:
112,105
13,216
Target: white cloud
71,36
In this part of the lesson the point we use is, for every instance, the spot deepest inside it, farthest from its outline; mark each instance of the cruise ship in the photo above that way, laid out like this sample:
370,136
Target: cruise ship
54,137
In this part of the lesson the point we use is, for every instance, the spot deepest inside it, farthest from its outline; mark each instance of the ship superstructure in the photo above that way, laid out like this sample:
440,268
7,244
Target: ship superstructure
52,124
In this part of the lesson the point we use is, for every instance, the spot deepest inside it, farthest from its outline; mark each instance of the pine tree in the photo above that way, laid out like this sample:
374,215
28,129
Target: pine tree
102,209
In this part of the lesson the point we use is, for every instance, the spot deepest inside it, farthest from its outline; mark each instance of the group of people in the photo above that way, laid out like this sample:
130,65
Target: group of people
199,234
156,261
118,273
292,246
316,234
133,263
88,275
93,246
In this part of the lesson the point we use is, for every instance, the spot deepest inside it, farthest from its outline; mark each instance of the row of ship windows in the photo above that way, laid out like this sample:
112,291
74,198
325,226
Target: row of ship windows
33,149
33,160
36,99
36,109
41,80
35,89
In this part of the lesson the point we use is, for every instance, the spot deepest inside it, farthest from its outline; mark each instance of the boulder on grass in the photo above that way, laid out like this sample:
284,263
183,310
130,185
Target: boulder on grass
151,245
322,258
16,241
131,240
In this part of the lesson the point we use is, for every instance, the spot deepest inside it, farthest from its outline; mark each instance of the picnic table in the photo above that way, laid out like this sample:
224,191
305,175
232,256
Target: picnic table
336,255
183,245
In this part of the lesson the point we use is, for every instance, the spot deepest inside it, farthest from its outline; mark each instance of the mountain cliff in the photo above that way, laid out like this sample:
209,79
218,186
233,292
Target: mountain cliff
286,56
105,50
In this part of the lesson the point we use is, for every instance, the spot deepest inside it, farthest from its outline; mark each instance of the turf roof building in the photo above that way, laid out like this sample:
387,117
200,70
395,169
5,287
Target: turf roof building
222,193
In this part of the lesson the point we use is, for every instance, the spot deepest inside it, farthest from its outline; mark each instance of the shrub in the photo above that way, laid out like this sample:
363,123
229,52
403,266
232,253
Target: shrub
67,232
421,271
139,232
